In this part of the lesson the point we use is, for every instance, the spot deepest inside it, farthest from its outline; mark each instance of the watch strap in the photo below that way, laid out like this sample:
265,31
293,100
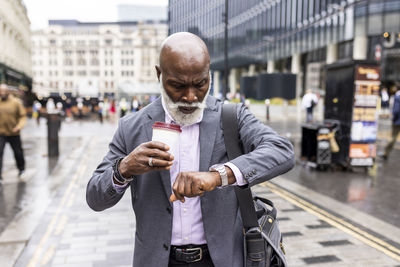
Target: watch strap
117,175
222,173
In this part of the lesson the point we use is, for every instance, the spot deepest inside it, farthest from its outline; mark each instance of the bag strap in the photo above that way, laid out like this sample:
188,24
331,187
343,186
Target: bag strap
231,139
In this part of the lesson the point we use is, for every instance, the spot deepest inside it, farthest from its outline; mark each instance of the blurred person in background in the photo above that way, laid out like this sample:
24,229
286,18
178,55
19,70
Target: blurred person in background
123,107
309,101
135,104
36,111
12,119
100,111
385,103
51,106
395,124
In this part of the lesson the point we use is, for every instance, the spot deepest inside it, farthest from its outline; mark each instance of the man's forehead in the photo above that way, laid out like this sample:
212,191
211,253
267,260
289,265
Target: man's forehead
184,78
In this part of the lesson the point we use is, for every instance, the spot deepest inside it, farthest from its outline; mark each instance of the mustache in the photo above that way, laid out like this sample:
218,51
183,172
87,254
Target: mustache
188,105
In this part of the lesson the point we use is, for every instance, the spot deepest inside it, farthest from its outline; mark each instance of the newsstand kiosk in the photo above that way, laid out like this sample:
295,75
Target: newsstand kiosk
352,95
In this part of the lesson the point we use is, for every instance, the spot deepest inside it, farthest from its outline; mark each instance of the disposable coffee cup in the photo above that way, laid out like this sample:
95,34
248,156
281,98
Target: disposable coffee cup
167,133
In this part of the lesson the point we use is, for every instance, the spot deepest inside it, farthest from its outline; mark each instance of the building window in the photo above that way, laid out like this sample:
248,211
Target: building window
52,42
81,62
82,73
108,42
68,62
126,41
94,62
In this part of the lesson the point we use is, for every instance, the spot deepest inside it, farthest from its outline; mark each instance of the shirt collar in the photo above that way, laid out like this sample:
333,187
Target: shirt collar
168,117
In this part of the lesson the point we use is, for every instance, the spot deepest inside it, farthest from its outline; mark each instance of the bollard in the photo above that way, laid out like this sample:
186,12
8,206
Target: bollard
267,102
53,126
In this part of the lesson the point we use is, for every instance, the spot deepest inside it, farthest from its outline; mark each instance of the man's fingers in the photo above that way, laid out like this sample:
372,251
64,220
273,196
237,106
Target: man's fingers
157,153
172,198
176,188
158,162
158,145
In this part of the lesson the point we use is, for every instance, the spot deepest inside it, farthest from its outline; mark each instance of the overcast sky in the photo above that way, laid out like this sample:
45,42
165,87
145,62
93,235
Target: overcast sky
40,11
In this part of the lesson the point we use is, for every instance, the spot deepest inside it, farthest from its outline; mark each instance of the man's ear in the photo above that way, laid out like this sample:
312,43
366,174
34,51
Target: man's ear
158,70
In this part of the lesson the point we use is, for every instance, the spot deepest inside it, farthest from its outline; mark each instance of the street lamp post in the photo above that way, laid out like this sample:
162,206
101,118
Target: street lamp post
226,71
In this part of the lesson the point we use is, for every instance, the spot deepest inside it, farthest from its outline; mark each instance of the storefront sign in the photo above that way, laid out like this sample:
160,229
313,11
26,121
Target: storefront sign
364,126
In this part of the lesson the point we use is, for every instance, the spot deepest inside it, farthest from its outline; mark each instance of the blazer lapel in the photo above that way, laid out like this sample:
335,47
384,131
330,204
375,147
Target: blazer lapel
156,113
208,130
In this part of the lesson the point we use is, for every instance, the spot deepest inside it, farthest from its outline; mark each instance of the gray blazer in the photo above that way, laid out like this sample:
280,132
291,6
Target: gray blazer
267,155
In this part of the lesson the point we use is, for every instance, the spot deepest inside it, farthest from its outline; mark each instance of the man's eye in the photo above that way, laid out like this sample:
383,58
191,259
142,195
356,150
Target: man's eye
178,86
201,84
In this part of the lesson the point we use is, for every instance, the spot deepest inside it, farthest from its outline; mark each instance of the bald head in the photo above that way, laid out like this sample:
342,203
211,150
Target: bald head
183,50
3,91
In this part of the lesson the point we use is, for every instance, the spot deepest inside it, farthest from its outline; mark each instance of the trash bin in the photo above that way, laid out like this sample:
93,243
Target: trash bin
316,143
53,126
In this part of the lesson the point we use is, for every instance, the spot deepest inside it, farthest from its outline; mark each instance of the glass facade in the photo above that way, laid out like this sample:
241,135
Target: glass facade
262,30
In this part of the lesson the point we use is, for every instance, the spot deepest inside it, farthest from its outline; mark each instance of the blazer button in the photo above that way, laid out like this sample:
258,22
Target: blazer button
165,246
169,210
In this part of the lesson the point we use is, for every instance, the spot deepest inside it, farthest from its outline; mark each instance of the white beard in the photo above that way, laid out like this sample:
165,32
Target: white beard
178,116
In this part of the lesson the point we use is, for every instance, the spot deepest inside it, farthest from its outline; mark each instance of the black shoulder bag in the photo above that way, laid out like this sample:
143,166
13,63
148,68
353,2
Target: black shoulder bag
262,238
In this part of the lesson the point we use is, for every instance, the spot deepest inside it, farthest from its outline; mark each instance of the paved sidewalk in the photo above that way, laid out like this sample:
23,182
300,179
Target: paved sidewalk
70,234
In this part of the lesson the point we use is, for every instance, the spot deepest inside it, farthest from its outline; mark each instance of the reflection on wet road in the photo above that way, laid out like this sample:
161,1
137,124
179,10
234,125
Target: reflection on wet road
40,180
374,191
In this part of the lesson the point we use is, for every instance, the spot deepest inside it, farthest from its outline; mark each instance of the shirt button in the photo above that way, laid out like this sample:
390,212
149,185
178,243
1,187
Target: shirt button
184,209
186,238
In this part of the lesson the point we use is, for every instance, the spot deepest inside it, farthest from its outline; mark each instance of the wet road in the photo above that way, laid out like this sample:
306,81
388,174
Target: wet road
41,180
374,191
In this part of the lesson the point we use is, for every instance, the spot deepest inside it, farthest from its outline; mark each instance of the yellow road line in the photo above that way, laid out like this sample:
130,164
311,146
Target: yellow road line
61,225
347,227
48,255
50,227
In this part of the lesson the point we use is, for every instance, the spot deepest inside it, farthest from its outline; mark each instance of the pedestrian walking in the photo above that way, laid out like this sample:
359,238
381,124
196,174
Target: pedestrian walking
203,228
135,104
123,107
385,103
36,111
12,119
395,125
309,101
100,111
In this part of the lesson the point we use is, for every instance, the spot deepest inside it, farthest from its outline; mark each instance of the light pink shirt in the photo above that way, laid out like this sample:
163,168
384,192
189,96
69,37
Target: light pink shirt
187,220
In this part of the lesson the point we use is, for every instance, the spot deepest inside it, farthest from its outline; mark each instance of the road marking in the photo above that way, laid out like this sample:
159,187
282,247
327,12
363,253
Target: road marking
341,224
48,255
61,225
71,200
50,227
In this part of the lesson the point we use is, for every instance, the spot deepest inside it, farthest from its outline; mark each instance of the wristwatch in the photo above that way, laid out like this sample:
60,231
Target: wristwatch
220,168
117,174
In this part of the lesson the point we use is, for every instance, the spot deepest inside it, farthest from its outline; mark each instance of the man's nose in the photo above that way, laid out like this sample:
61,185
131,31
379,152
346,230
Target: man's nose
190,95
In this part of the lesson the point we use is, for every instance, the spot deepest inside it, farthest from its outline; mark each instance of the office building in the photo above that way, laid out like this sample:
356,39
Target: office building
95,58
297,36
15,45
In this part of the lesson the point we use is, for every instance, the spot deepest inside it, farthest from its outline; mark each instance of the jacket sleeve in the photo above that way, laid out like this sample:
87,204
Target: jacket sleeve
21,116
100,191
267,154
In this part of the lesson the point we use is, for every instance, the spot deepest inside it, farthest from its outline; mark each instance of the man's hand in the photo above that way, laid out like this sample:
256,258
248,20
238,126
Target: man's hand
137,162
192,184
16,129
